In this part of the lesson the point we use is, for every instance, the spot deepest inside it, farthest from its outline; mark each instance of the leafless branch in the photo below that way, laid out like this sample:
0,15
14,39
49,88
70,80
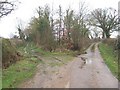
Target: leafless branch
6,7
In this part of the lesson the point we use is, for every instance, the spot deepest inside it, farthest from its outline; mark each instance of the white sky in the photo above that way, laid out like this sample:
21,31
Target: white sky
27,8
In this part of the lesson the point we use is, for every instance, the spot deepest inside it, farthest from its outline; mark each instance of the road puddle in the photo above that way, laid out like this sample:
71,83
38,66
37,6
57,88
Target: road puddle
88,61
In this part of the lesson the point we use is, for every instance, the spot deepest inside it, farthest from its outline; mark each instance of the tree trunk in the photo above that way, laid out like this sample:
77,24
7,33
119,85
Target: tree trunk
103,35
107,33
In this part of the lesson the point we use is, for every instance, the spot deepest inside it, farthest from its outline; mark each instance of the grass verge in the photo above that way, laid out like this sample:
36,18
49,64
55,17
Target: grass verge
18,72
109,58
24,69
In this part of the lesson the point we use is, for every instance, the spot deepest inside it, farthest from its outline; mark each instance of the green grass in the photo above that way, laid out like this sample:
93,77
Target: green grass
18,72
31,49
24,69
58,58
64,59
109,58
0,78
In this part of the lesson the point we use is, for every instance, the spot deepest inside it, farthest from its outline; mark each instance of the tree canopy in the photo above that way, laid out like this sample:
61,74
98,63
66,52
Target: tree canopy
106,19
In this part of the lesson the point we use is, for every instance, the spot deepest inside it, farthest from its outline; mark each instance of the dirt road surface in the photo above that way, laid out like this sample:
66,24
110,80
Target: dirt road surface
85,71
93,74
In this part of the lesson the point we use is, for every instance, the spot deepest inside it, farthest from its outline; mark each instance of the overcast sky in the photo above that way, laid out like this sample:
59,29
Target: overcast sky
26,10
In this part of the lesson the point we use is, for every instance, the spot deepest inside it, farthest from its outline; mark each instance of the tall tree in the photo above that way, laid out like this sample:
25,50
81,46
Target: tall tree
60,23
75,34
106,19
68,20
41,30
77,23
78,34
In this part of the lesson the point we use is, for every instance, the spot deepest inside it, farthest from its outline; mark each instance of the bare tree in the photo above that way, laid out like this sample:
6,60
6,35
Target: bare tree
60,22
6,7
106,19
20,31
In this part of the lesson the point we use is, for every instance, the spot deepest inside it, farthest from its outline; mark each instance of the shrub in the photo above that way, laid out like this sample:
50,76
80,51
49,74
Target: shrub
9,53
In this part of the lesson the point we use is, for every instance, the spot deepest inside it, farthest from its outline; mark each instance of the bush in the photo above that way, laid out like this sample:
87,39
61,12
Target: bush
9,53
110,41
